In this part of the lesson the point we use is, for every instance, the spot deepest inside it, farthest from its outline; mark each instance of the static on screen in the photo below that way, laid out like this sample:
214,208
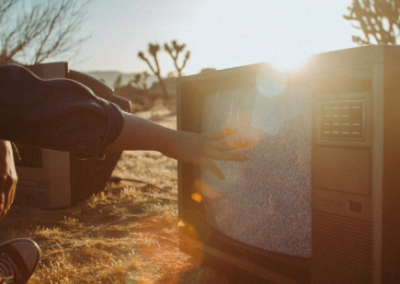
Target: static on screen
264,202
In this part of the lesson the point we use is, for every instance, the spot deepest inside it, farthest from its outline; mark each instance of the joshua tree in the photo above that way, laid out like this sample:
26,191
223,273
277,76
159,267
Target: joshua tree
118,82
379,20
32,33
153,50
140,81
174,50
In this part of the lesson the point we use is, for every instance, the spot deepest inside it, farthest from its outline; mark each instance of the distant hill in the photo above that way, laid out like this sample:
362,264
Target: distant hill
109,77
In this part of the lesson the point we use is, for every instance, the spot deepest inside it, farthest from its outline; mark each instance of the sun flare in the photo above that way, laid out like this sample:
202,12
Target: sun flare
290,60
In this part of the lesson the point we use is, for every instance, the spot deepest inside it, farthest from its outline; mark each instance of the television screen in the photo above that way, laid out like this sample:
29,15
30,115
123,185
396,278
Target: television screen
264,202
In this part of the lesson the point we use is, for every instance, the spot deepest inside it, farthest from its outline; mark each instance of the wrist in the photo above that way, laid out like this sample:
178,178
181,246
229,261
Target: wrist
169,141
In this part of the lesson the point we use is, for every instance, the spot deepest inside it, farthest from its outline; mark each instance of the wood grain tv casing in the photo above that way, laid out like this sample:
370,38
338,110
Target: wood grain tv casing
355,172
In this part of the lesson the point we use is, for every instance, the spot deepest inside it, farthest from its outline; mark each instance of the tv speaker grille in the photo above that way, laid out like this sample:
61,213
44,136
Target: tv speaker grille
342,249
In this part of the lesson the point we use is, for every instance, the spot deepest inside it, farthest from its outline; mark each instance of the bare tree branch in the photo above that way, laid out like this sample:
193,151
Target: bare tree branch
5,5
45,29
59,37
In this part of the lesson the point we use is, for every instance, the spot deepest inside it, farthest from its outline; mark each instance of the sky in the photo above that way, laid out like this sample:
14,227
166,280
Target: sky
219,33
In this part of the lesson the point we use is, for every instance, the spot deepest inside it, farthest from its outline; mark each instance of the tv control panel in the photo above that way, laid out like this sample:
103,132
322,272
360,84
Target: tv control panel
343,120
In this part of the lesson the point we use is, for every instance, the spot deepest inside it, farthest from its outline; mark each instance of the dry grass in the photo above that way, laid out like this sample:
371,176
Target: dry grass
126,234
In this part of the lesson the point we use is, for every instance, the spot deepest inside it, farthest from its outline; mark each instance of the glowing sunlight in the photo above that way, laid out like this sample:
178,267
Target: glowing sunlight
220,34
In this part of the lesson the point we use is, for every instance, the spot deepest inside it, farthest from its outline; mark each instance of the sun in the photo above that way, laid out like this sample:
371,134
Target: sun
286,61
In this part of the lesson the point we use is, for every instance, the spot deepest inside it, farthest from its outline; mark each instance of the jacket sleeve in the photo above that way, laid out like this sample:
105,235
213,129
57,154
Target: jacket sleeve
58,114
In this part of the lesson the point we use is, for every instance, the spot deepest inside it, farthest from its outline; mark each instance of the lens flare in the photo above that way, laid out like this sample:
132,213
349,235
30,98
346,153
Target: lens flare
271,82
206,190
159,255
295,61
248,133
197,197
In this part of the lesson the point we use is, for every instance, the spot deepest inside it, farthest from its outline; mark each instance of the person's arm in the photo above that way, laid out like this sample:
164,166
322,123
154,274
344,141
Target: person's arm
8,177
64,115
199,149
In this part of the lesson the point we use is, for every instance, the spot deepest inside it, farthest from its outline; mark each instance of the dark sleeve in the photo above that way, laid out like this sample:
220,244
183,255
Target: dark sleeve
58,114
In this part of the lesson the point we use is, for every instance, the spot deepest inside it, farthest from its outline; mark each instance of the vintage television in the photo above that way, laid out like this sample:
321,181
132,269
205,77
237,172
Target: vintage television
53,179
318,198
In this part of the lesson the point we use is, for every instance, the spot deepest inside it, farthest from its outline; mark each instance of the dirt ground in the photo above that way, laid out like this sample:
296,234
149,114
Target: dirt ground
126,234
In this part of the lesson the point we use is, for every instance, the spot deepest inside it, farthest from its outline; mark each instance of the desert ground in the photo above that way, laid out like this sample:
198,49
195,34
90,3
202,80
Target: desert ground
126,234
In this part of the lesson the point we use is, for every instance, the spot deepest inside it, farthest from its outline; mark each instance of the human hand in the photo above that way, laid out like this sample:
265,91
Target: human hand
8,177
199,149
202,149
